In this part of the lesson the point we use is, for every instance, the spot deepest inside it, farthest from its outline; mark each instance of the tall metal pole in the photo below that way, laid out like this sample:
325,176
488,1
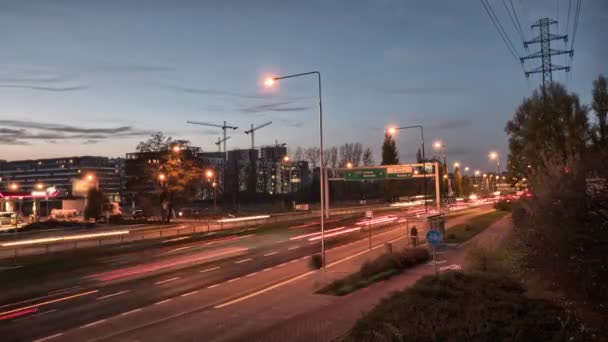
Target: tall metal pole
437,196
426,209
225,150
322,168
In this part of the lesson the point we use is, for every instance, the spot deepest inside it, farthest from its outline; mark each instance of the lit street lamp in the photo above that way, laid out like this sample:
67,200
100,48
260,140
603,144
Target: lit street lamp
210,174
14,186
392,131
269,82
349,165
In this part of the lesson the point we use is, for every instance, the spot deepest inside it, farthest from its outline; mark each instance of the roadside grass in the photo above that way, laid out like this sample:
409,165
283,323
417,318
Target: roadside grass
381,268
463,232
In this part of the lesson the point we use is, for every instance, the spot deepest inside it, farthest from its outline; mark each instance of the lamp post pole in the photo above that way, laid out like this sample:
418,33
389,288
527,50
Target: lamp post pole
322,175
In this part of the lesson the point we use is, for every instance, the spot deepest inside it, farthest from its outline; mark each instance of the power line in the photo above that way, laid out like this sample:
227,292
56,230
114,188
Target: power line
568,20
521,35
576,16
517,18
499,28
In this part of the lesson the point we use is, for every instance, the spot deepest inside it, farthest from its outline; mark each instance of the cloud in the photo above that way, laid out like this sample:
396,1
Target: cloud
133,68
273,107
453,123
27,130
210,92
91,142
53,89
425,90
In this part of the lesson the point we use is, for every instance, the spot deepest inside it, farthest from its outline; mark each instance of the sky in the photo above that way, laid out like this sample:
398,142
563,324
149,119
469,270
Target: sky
96,77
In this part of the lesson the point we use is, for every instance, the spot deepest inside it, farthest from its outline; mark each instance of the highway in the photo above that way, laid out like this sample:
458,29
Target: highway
216,268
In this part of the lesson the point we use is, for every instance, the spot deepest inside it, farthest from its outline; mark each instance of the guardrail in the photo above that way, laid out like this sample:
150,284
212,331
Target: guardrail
15,249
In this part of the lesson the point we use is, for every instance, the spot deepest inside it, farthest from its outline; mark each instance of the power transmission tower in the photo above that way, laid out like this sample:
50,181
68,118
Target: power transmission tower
546,52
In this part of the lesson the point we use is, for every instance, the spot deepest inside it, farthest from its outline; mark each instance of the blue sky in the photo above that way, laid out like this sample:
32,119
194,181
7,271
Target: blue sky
94,77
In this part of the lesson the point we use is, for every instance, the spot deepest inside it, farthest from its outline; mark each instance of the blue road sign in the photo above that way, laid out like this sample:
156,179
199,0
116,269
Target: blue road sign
433,237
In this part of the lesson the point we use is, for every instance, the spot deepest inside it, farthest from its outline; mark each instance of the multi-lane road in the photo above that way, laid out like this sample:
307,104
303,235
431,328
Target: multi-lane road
211,271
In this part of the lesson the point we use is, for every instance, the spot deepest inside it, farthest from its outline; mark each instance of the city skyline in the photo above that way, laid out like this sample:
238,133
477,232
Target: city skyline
60,100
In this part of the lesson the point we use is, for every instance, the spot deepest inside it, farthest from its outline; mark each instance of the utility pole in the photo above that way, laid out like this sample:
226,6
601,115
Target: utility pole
546,52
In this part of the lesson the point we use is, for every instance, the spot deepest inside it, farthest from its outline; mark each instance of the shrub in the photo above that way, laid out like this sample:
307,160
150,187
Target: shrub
116,219
460,307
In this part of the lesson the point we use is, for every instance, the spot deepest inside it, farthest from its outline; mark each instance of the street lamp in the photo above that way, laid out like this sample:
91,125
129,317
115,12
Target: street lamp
269,82
477,173
162,177
286,158
466,169
349,165
210,174
39,186
176,148
456,164
392,131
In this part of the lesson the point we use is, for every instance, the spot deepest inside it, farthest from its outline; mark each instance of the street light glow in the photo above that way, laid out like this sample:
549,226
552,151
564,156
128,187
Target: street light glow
466,168
349,165
162,177
476,172
437,145
391,130
286,158
39,186
269,82
14,186
176,148
90,177
209,173
456,164
493,155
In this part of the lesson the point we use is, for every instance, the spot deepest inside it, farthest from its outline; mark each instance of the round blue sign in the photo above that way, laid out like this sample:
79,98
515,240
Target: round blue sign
433,237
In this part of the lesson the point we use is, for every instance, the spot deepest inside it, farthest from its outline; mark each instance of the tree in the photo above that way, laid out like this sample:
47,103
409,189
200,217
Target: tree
389,151
298,154
357,151
333,157
457,182
557,124
368,158
180,182
95,202
600,108
467,186
157,142
313,154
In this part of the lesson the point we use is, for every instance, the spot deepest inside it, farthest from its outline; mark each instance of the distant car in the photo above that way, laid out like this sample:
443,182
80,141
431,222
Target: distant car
138,215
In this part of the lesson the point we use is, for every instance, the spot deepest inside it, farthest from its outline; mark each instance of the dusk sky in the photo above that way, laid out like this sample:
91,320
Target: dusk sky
96,77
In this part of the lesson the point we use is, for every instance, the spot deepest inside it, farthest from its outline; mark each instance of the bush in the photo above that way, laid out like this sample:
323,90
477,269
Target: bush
460,307
116,219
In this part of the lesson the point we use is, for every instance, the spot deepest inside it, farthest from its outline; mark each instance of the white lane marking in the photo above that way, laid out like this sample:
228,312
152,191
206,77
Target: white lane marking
166,281
210,269
251,274
431,263
242,261
130,312
177,239
162,301
49,337
113,294
294,260
189,293
271,253
233,279
179,249
94,323
292,248
267,269
279,265
212,286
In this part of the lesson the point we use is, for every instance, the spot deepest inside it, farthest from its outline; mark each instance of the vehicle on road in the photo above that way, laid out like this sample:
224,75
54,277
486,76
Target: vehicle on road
139,215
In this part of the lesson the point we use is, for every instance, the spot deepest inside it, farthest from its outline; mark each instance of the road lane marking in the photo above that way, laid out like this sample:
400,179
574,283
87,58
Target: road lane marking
94,323
49,302
48,337
166,281
212,286
209,269
242,261
130,312
233,279
292,248
279,265
113,295
162,301
267,269
271,253
251,274
177,239
189,293
179,249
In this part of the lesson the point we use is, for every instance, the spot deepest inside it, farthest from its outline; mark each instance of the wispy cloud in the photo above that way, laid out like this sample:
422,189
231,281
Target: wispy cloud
33,87
274,107
133,68
24,131
216,92
425,90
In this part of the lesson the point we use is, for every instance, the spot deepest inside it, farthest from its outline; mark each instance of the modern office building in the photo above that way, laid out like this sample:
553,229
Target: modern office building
63,174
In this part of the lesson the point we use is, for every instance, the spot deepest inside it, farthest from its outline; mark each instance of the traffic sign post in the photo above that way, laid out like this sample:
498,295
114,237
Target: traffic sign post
433,237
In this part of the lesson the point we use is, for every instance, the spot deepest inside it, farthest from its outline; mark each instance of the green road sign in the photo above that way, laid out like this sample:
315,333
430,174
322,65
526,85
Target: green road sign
399,175
363,174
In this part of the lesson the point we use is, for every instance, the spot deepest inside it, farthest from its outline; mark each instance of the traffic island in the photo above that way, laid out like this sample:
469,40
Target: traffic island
383,267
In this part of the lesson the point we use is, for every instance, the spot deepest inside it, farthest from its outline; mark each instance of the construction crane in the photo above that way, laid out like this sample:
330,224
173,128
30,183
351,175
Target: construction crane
223,127
219,143
252,131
